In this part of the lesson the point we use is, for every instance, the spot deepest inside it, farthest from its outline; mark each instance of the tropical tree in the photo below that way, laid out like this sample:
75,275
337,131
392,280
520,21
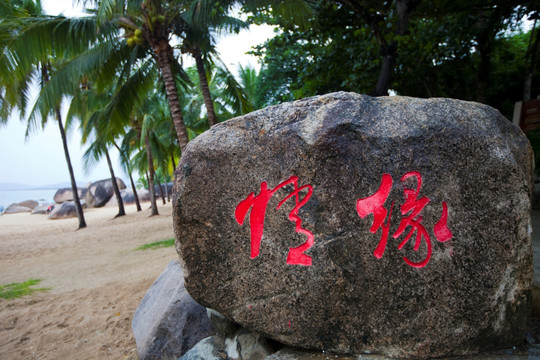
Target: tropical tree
197,29
148,25
87,106
125,150
31,50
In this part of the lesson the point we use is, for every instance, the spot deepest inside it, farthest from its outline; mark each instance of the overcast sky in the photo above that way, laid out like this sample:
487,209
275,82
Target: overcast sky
39,160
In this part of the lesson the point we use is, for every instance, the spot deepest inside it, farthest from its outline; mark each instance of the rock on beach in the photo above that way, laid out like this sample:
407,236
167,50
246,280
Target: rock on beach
412,217
64,210
168,322
66,194
20,207
102,191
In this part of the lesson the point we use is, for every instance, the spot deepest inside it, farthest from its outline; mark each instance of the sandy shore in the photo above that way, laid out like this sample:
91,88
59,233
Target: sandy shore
97,280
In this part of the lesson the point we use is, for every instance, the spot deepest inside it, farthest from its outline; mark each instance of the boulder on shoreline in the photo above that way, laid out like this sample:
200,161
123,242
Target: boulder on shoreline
66,194
128,198
15,209
102,191
41,209
65,210
20,207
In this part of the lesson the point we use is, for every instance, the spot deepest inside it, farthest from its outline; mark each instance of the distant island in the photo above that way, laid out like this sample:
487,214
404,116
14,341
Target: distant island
20,187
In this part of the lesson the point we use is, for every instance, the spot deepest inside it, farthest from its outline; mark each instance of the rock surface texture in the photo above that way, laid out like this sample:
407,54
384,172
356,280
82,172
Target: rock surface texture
66,194
102,191
64,210
412,219
129,198
16,208
168,322
241,345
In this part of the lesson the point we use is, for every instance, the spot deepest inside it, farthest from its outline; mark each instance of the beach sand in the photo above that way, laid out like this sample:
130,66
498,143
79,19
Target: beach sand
96,276
97,280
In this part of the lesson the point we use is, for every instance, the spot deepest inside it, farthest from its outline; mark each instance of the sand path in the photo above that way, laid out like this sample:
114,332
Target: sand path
96,277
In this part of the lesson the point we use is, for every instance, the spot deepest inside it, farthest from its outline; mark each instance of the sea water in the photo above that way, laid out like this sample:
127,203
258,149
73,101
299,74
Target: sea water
8,197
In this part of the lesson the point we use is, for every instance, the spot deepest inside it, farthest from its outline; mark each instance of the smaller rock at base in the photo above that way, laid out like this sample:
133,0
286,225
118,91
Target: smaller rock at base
211,348
41,209
168,322
242,345
221,324
289,353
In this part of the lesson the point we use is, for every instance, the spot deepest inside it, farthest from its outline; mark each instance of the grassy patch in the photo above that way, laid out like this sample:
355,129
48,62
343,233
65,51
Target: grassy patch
16,290
157,245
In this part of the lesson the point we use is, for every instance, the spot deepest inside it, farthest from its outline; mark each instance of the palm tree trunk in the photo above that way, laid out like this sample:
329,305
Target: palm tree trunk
121,210
151,176
133,187
135,195
162,50
173,162
205,89
167,193
78,207
387,68
530,62
160,189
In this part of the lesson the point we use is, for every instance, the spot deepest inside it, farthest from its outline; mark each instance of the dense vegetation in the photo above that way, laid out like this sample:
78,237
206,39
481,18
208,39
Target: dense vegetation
121,70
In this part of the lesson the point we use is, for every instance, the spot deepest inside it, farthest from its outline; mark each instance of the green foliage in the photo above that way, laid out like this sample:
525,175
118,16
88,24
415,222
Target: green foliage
157,245
334,55
16,290
469,50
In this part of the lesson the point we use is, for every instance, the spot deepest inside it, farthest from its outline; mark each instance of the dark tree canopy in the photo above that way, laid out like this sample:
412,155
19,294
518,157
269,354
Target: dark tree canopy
472,50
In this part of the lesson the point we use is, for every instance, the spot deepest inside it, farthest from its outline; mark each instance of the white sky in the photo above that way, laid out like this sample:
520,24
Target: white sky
40,160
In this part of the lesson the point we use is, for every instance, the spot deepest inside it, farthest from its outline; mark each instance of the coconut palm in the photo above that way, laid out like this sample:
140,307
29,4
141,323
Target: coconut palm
198,28
125,150
87,107
28,42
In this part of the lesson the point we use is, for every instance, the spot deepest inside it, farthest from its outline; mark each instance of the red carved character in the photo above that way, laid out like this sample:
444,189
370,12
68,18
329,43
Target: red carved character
258,205
410,211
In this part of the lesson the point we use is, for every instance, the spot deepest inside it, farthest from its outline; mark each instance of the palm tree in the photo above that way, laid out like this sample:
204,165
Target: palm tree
127,164
249,81
27,53
148,26
197,28
87,106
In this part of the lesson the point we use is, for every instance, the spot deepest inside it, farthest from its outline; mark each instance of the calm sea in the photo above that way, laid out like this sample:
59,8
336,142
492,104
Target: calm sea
8,197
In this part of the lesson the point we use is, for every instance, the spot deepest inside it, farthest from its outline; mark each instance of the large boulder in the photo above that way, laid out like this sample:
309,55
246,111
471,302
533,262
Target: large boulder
15,209
165,189
20,207
66,194
168,322
129,198
41,209
31,204
65,210
102,191
352,224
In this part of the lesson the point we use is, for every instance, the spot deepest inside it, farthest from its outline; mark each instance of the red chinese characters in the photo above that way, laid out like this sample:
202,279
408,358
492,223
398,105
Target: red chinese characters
410,211
259,203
